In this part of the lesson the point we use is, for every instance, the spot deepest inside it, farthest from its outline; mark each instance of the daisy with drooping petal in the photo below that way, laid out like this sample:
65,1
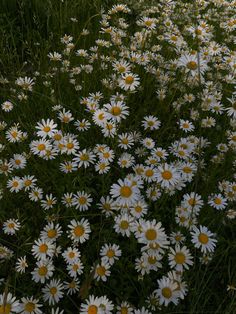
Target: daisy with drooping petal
21,264
30,306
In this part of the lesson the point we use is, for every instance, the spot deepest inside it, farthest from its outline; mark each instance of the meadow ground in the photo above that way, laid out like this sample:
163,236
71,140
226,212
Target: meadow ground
117,157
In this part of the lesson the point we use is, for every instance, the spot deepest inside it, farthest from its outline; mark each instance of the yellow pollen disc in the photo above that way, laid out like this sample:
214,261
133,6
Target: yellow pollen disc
15,184
52,233
110,253
46,129
75,267
129,80
101,270
101,116
151,234
82,200
4,167
28,182
149,173
84,157
185,125
187,169
5,309
14,134
125,141
217,201
124,224
192,202
18,161
198,32
116,111
57,137
43,248
29,307
124,310
70,145
203,238
92,309
66,119
106,155
71,255
41,147
179,258
78,231
53,290
138,209
42,271
11,225
125,191
166,292
152,260
166,175
121,69
192,65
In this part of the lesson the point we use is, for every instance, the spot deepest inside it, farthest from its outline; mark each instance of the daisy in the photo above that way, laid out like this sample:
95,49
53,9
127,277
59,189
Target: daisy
91,306
51,232
151,123
106,305
11,226
21,264
7,106
124,307
36,194
129,81
42,249
28,182
102,271
217,201
30,306
185,125
82,125
123,224
121,66
43,270
71,255
68,145
72,287
68,166
180,258
202,238
18,161
26,83
46,128
5,167
190,62
116,110
53,292
125,140
65,116
167,291
9,304
49,202
106,155
100,117
40,147
82,201
54,56
13,134
139,209
107,205
231,111
167,175
126,160
67,199
76,268
110,253
15,184
124,192
84,158
79,230
149,174
102,167
109,129
152,232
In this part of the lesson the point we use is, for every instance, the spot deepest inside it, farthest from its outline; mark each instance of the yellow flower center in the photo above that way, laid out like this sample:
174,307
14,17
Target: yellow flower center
46,129
149,173
187,169
179,258
115,111
41,147
92,309
43,248
217,201
192,65
166,292
166,175
151,234
82,200
203,238
124,224
29,307
125,191
42,271
101,270
129,80
78,231
70,145
53,290
5,309
52,233
110,253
